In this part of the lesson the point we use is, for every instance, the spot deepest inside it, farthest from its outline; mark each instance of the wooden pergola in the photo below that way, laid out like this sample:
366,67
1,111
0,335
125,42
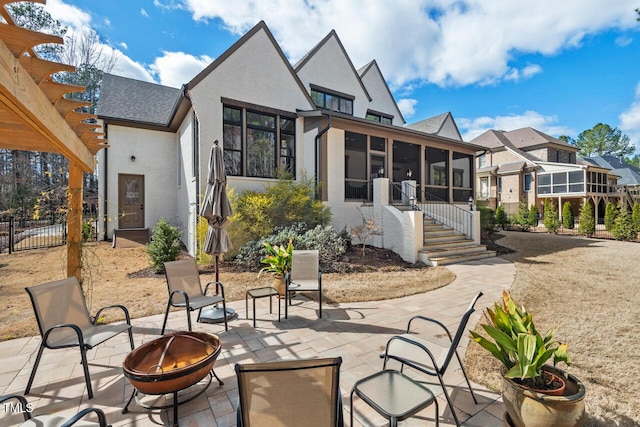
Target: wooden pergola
35,116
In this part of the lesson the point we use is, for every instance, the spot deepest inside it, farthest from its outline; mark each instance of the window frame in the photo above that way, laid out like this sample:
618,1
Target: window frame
323,97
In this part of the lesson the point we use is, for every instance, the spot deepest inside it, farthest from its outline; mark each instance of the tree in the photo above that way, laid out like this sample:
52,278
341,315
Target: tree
567,216
502,220
522,219
551,221
635,216
601,140
609,216
587,224
623,228
633,161
533,215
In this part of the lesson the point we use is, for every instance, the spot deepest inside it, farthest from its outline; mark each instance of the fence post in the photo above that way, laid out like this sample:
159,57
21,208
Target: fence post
11,233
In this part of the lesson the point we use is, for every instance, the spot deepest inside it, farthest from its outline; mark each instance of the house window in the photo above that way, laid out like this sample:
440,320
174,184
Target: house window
437,179
256,142
232,140
499,184
355,166
379,117
484,187
527,182
332,101
482,161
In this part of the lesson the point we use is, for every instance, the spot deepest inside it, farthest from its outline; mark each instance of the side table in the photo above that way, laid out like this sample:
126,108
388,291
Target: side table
393,395
257,293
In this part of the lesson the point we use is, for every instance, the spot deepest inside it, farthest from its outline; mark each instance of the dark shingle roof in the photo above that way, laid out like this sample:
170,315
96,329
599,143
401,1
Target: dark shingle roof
430,125
137,101
629,174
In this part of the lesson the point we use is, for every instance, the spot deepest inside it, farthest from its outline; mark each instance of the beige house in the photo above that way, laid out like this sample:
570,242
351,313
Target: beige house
526,165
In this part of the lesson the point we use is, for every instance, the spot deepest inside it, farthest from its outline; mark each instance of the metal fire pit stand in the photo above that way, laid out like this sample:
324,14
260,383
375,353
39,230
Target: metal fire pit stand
176,402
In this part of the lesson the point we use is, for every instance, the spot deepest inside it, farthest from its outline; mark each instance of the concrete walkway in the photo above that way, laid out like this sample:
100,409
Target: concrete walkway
356,331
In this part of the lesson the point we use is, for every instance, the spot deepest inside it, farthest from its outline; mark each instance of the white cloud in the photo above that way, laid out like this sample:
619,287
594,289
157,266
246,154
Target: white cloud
470,128
67,14
177,68
623,41
630,120
144,13
123,45
446,42
407,107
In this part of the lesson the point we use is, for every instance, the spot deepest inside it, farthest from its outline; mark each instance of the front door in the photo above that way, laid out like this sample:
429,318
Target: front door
131,201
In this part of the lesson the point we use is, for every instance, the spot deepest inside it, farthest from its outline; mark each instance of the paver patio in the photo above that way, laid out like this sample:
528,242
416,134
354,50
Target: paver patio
355,331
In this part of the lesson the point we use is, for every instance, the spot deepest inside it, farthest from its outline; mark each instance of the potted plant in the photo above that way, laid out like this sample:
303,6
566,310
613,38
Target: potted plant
534,393
278,261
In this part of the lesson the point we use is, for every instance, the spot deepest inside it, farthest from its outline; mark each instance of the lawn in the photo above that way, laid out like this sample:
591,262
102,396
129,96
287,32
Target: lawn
588,288
122,276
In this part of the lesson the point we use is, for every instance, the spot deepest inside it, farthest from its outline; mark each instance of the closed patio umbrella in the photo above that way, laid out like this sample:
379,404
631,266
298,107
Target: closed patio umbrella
216,208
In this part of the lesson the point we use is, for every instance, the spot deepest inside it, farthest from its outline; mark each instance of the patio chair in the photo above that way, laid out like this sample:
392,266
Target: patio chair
64,322
305,276
51,420
185,290
430,357
290,393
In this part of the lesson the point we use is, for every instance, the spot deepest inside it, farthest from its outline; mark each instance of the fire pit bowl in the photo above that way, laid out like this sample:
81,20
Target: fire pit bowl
172,363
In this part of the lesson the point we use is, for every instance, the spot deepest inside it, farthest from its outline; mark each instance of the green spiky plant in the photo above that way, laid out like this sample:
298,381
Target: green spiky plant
278,259
518,345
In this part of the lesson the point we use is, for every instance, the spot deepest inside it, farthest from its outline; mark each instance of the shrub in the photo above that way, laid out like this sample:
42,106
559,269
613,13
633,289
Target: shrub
609,216
623,228
567,216
88,231
365,231
522,218
635,216
551,221
201,235
587,223
501,217
533,215
331,245
487,216
165,245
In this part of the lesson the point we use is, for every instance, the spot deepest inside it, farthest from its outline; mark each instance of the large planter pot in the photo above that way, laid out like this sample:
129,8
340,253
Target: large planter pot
527,408
279,284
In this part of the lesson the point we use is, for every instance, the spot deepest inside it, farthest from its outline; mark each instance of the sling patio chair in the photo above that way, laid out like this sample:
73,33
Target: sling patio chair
185,290
303,392
64,321
305,276
51,420
430,357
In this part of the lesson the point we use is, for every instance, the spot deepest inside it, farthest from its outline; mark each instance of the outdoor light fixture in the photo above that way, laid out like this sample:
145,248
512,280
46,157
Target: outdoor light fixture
133,159
470,203
412,201
380,172
409,173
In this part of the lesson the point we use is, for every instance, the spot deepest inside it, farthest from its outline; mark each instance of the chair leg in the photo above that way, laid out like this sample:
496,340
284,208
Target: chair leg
466,378
320,299
224,312
85,367
166,316
188,317
35,367
449,402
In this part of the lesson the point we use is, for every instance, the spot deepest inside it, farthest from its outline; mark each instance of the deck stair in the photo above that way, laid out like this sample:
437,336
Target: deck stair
443,245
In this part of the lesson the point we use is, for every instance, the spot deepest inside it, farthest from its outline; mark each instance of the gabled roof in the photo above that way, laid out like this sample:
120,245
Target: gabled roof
131,100
373,65
260,26
332,34
434,125
629,174
529,137
509,168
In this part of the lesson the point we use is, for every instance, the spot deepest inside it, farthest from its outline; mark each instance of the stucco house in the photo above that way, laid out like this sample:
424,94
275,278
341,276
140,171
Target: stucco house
321,117
526,165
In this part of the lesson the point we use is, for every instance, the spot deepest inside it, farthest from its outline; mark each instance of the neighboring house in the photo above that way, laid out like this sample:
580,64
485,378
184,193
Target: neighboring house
321,118
628,176
526,165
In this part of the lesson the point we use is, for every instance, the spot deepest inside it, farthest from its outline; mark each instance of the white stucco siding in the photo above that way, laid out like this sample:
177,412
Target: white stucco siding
330,68
155,154
335,166
187,194
381,99
255,73
450,130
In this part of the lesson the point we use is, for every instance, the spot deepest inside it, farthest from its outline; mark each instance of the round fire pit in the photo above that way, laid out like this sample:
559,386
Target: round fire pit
172,363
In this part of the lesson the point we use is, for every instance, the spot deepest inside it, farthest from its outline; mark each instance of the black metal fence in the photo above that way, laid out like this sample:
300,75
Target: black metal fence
19,234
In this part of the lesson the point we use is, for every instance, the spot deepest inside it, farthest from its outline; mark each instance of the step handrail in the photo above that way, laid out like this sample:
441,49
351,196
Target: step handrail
455,217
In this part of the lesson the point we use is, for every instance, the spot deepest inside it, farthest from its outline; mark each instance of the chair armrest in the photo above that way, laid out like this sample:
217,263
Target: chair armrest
428,319
23,403
408,362
75,328
184,294
219,288
102,419
121,307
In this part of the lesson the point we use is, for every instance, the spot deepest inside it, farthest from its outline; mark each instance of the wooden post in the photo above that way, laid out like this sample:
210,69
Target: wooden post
74,222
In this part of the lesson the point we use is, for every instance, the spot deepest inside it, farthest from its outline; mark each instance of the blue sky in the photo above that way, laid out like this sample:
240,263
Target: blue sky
560,67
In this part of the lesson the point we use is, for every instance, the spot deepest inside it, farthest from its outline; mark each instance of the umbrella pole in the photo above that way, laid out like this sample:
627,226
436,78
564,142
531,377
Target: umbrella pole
217,266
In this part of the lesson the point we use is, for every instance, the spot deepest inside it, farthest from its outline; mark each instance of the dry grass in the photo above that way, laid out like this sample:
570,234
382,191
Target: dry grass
108,282
589,289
